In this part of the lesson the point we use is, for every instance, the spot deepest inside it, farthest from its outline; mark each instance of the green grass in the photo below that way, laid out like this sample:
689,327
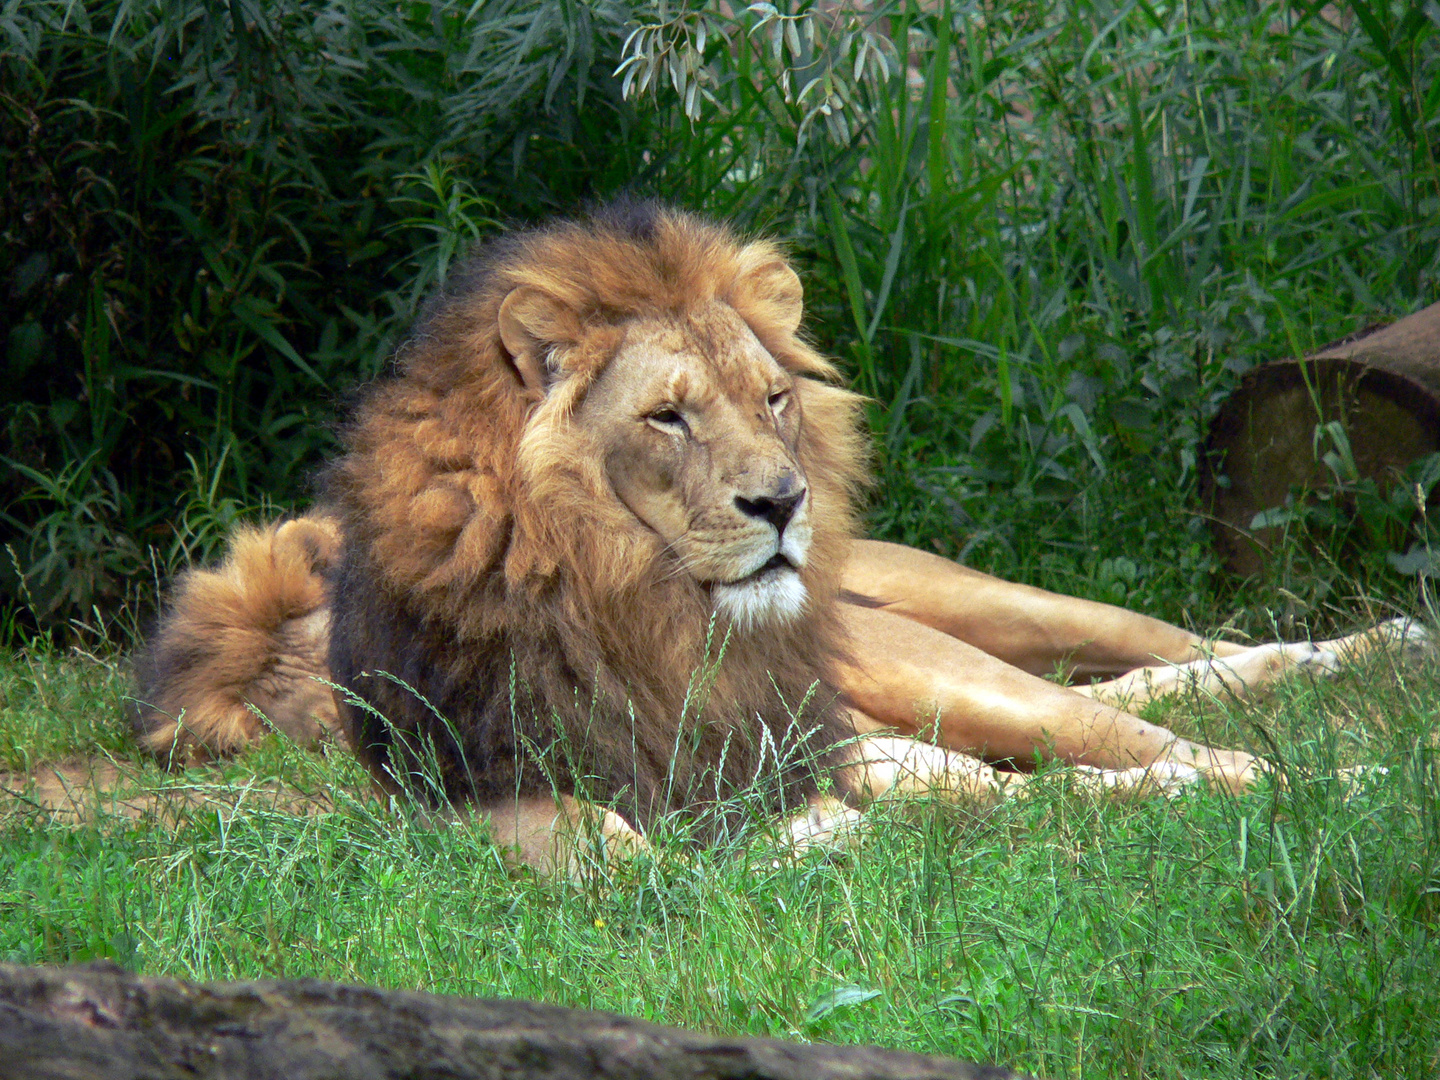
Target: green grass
1281,934
55,710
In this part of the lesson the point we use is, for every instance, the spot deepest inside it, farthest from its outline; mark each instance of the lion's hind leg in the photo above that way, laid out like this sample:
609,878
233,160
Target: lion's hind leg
241,640
1254,667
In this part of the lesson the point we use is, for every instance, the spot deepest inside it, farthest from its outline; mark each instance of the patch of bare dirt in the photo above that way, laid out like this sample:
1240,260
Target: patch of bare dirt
85,790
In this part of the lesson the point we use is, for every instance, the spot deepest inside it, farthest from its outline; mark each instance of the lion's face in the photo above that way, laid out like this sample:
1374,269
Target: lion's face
697,426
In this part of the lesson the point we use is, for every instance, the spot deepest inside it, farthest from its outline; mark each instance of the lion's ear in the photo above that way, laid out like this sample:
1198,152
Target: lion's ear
771,291
532,324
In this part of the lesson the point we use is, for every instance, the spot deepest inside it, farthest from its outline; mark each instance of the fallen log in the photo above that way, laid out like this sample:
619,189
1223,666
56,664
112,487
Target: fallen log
1382,385
100,1022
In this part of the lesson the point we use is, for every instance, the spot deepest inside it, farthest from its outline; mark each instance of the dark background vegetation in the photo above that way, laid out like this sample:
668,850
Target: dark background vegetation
1045,238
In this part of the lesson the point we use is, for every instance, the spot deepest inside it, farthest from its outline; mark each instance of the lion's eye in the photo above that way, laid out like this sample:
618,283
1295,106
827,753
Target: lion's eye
778,400
667,416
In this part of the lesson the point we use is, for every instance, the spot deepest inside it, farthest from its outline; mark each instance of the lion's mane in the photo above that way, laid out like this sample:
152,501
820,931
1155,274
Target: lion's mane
501,622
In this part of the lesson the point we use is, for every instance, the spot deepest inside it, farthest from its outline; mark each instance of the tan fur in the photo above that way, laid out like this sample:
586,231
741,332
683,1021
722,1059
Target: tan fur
240,641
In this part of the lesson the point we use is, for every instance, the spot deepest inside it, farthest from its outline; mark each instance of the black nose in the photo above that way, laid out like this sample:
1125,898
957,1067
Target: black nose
776,509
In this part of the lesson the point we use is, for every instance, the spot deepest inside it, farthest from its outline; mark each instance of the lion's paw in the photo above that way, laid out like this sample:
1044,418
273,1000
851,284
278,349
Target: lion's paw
826,823
1409,638
1358,778
1322,658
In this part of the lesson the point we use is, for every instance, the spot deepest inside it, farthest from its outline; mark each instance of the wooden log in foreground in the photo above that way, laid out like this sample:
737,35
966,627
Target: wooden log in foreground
1382,384
100,1022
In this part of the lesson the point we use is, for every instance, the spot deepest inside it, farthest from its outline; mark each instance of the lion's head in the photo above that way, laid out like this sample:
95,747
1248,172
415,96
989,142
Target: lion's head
695,429
607,443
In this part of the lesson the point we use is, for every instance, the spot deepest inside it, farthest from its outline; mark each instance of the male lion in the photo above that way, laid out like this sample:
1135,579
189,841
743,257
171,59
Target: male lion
596,535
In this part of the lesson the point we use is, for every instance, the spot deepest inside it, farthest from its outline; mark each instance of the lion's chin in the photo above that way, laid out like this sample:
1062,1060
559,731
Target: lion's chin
775,596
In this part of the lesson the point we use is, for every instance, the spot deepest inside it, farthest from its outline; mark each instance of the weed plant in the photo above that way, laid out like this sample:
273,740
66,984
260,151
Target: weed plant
1045,239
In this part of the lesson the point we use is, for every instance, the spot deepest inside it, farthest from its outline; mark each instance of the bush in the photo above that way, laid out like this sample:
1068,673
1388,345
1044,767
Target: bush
1046,239
218,217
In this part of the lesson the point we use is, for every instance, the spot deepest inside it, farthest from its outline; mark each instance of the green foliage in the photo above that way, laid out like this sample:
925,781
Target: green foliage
1282,933
1053,271
218,217
55,709
1046,239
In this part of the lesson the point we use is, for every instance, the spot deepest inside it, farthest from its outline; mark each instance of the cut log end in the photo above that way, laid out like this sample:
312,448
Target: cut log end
1382,386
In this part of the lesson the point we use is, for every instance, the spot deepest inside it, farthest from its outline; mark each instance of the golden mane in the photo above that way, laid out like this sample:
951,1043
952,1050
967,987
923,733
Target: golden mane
489,568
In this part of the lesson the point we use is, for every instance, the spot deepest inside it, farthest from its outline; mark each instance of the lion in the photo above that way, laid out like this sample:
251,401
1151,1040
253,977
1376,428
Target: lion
590,557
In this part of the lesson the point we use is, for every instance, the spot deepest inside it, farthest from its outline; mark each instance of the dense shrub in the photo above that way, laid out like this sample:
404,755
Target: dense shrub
1045,238
219,216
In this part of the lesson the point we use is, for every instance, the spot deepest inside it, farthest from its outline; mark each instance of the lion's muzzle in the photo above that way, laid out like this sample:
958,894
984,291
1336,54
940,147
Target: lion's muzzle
772,591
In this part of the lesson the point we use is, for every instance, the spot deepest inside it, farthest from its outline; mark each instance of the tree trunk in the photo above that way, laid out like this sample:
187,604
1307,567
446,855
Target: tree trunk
1382,385
100,1022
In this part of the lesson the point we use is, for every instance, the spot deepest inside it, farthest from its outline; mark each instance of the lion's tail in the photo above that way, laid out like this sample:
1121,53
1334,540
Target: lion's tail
241,647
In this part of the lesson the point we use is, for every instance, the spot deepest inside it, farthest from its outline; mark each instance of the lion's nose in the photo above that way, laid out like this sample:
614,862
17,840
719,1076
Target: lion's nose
776,509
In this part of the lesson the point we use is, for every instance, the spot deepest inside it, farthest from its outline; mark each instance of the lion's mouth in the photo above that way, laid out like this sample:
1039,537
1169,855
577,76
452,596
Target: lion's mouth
778,561
772,592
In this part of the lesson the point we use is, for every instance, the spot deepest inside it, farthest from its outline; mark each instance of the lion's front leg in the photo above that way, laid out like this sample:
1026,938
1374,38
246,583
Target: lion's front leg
562,835
884,767
893,766
877,767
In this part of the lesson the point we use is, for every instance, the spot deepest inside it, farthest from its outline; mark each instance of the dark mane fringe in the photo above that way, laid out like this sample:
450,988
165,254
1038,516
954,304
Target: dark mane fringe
488,568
